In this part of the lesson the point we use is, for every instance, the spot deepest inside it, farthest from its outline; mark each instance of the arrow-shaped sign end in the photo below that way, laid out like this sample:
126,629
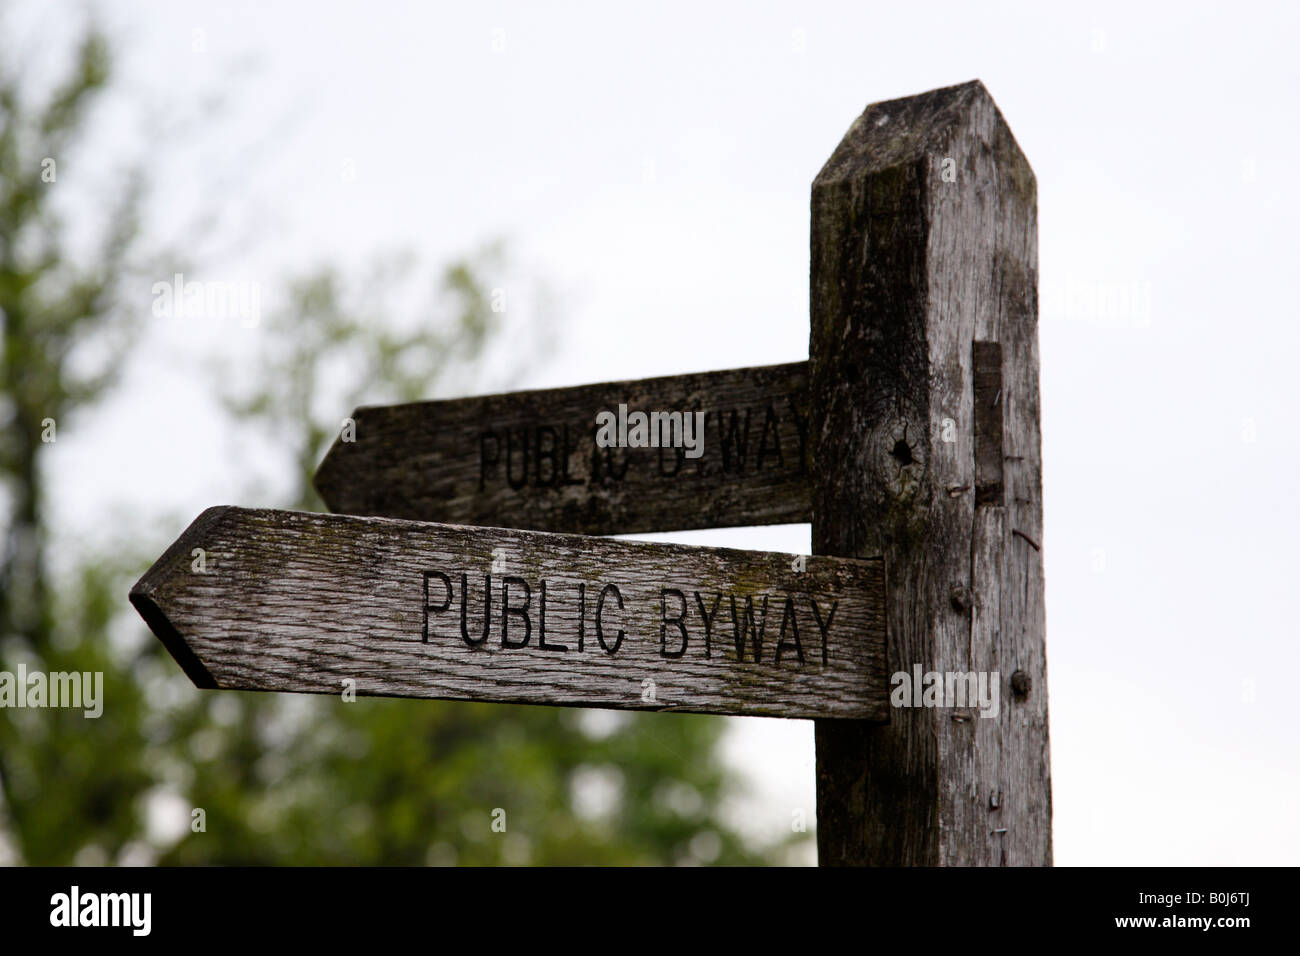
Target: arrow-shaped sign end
332,476
148,596
172,640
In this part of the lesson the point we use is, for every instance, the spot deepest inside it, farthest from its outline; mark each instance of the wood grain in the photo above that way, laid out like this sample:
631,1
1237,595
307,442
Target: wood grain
924,243
291,601
529,459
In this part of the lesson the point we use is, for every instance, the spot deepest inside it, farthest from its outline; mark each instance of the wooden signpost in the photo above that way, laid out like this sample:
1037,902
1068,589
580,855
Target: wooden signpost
910,439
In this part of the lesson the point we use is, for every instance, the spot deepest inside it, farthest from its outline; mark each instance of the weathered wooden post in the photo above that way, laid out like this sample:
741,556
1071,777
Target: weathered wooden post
925,437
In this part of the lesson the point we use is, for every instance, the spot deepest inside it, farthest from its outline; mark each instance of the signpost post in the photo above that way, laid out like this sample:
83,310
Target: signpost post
910,440
924,398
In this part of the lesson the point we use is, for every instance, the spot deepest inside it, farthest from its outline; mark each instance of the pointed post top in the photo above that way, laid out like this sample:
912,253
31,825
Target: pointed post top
901,131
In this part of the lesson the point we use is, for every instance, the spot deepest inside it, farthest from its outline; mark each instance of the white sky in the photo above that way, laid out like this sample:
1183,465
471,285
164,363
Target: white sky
654,165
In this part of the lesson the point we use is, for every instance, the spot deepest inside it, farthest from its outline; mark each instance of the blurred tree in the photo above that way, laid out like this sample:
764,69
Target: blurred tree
63,335
171,774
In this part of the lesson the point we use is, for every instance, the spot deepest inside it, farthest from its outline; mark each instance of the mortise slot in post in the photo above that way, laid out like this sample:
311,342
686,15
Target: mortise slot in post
986,365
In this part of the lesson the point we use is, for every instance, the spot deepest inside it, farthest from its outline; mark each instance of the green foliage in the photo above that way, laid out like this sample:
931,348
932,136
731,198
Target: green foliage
414,782
61,344
71,783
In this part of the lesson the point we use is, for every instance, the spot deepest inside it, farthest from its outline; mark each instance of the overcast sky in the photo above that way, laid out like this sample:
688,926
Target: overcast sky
654,163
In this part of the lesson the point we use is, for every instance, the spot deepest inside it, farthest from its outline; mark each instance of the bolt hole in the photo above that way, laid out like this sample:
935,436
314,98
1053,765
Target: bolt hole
903,452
